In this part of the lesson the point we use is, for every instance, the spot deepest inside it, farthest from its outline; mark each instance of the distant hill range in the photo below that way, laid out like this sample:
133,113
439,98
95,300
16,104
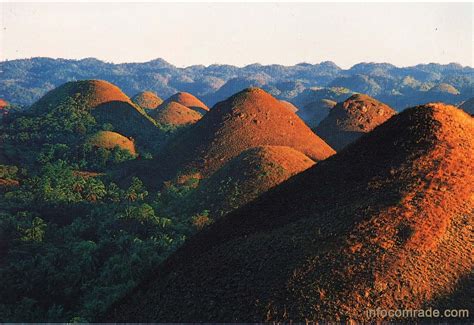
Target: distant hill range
22,82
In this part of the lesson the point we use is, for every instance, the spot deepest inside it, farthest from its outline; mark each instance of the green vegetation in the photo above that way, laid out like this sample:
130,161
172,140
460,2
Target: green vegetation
71,240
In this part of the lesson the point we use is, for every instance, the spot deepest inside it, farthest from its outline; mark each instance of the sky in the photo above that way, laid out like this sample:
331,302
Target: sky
185,34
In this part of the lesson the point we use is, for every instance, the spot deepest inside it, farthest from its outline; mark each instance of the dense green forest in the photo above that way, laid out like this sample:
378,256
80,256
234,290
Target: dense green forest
71,239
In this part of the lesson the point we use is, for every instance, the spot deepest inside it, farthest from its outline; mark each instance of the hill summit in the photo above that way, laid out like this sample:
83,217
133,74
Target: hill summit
250,118
147,100
189,101
385,224
89,93
175,114
349,120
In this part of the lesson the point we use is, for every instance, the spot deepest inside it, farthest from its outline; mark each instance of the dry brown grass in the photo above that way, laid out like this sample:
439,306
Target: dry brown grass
147,100
110,140
175,114
349,120
386,223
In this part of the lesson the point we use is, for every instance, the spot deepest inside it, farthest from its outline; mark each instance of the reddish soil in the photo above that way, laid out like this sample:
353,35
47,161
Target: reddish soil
349,120
386,223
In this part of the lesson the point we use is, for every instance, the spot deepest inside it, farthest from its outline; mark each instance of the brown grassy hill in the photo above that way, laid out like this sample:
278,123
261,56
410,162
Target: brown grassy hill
189,101
289,105
175,114
349,120
108,104
110,140
89,93
468,106
386,223
314,112
250,118
246,176
147,100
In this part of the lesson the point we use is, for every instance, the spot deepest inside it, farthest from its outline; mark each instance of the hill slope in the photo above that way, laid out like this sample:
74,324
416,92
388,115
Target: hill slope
110,140
468,106
314,112
249,118
175,114
246,176
349,120
147,100
384,224
189,101
108,104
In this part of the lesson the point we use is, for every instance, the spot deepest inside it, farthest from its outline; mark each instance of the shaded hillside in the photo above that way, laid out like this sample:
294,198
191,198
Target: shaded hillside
468,106
246,176
313,113
384,224
108,104
349,120
147,100
188,100
248,119
110,140
175,114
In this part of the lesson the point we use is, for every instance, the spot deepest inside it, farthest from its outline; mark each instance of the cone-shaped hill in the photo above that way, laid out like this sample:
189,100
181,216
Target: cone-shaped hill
87,93
110,140
250,118
147,100
107,103
349,120
468,106
175,114
385,224
246,176
189,101
314,112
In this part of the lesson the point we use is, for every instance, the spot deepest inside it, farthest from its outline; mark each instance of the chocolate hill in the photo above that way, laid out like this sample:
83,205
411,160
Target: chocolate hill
349,120
110,140
314,112
147,100
107,103
175,114
385,224
88,93
246,176
189,101
468,106
250,118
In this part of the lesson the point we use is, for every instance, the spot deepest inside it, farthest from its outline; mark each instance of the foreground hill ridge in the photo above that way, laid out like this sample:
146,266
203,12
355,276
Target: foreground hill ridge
250,118
385,223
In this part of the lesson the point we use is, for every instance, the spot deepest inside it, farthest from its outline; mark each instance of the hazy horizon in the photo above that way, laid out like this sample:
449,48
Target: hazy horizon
240,34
